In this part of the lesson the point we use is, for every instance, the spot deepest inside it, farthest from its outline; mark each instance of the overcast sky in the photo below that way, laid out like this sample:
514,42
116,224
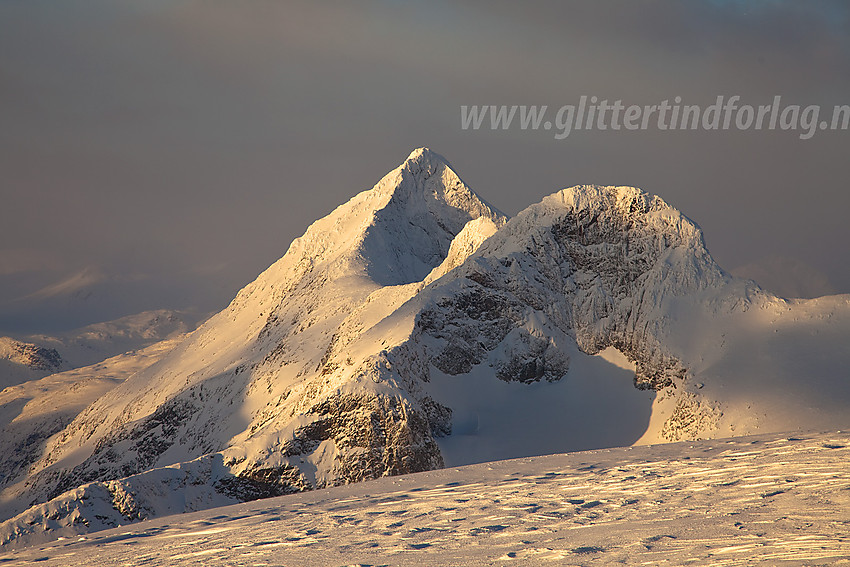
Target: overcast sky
162,154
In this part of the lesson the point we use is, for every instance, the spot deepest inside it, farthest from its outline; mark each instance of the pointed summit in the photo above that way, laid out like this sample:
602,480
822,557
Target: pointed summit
419,208
428,174
425,161
426,155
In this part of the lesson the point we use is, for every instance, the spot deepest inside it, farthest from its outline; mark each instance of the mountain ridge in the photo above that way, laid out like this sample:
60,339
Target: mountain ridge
30,357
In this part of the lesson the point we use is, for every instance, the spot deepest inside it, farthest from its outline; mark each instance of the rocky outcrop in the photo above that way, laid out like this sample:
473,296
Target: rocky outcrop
21,361
31,355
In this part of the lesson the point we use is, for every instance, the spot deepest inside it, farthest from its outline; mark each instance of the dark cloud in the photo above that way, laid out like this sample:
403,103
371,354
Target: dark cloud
185,144
786,277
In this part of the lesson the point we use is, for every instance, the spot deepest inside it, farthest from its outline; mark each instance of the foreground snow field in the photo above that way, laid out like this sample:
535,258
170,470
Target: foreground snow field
768,499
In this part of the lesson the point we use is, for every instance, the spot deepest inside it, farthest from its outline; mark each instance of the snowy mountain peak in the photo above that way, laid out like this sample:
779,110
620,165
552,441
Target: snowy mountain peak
414,326
628,202
401,229
422,201
426,156
424,162
428,176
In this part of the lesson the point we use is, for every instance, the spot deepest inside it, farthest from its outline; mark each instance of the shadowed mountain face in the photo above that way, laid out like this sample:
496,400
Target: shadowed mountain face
415,326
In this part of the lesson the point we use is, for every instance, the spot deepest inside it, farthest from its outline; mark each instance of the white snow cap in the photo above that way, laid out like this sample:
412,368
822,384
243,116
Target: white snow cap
628,201
426,155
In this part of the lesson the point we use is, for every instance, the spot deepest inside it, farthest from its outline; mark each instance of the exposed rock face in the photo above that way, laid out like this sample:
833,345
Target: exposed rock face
595,263
21,361
692,418
376,436
32,356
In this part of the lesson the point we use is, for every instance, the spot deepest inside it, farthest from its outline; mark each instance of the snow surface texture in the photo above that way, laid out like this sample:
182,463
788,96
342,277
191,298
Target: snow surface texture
763,500
416,327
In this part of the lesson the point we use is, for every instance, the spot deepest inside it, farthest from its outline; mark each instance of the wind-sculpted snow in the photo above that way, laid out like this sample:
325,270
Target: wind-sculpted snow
764,500
415,327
